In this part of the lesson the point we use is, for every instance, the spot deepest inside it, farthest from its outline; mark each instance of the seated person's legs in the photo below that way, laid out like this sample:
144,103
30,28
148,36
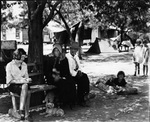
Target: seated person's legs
22,91
85,83
24,100
27,105
82,87
23,96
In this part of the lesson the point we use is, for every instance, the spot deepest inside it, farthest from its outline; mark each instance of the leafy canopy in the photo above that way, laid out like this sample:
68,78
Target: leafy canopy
122,14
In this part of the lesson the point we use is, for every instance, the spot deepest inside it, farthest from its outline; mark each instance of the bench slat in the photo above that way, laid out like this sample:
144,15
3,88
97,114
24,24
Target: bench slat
42,88
34,74
37,88
33,64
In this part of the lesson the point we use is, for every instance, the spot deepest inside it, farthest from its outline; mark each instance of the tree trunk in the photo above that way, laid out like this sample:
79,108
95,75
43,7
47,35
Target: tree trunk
35,50
35,41
0,48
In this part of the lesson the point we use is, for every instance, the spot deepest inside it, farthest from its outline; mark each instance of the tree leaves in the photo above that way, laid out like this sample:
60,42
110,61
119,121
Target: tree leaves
121,13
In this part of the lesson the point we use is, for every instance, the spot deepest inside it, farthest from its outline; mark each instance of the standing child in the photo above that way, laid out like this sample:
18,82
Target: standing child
137,56
146,54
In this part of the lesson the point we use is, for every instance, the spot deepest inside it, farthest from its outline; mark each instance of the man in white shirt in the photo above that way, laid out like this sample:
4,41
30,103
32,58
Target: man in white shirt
80,78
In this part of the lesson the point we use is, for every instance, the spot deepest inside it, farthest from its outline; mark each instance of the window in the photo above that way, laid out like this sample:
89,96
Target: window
4,34
17,33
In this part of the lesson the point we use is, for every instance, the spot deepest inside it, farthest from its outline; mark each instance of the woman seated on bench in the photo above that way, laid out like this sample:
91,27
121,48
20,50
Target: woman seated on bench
56,70
17,79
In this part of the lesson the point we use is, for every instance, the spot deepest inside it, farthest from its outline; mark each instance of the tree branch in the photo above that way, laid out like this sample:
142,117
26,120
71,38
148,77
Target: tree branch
42,6
51,13
66,25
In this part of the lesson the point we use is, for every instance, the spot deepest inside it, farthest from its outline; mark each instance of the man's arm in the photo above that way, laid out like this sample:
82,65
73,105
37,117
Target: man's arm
71,68
78,61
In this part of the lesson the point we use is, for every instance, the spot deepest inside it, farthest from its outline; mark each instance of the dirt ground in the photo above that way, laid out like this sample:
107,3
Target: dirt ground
103,108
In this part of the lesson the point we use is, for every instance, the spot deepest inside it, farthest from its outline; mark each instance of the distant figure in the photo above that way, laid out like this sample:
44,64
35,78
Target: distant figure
120,86
137,56
146,55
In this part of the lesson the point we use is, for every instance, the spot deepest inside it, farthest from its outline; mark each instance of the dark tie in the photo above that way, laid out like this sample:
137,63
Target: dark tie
77,66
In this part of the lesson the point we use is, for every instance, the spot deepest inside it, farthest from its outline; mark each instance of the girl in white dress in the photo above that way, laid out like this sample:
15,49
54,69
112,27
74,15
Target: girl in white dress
146,55
137,56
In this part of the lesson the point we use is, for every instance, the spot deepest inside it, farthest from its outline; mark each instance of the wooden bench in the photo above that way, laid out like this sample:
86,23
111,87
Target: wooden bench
35,86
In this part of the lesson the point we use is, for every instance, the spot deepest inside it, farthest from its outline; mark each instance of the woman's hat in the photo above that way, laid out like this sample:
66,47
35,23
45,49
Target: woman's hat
58,47
74,45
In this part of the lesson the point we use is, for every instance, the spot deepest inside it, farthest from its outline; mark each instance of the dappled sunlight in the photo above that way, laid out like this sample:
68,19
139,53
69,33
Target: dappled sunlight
103,107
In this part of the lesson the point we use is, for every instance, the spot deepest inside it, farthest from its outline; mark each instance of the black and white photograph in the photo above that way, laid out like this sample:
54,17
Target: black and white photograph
75,61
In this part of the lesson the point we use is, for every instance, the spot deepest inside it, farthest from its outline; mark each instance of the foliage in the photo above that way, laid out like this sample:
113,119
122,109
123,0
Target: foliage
73,13
119,13
6,15
22,19
123,14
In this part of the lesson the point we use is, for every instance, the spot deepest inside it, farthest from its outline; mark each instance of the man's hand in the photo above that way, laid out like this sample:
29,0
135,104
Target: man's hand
29,80
56,77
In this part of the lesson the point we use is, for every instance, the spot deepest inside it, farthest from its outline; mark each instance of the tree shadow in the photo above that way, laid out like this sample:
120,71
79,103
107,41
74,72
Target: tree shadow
5,103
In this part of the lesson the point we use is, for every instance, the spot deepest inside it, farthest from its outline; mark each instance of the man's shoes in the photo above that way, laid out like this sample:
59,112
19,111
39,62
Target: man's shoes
29,118
22,114
14,114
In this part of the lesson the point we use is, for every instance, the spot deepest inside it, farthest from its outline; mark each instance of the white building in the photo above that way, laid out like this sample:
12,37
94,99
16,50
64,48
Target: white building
12,34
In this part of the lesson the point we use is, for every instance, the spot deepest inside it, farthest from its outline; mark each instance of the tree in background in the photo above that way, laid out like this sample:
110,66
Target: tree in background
122,14
36,21
35,16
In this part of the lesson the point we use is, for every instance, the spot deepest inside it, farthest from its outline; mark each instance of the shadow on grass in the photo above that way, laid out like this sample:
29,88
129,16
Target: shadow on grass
101,106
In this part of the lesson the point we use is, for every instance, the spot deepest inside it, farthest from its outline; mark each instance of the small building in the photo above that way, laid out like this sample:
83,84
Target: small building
21,35
12,34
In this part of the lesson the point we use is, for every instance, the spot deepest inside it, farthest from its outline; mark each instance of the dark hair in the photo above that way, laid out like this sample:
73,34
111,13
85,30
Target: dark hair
120,73
18,53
